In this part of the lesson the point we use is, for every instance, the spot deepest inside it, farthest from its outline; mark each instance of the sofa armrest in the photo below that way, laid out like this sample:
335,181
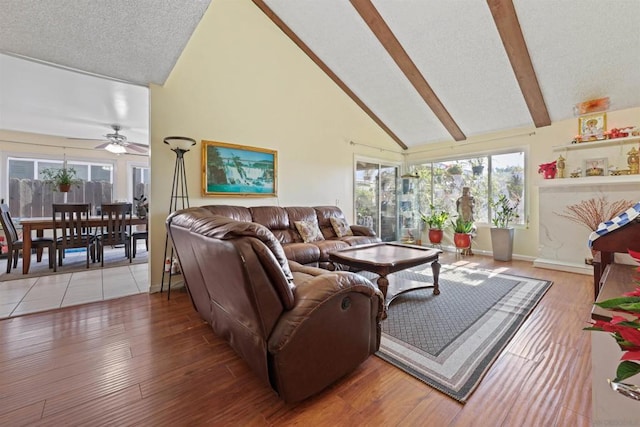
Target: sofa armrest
361,230
333,327
328,289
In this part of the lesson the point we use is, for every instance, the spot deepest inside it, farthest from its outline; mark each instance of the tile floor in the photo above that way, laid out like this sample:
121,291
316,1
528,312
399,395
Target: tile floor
35,294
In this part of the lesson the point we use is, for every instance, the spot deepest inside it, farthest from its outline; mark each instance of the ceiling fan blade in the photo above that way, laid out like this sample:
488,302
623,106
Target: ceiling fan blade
138,144
137,148
86,139
98,147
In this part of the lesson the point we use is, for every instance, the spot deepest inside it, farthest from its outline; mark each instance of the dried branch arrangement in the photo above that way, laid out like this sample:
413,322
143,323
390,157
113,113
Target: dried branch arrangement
592,212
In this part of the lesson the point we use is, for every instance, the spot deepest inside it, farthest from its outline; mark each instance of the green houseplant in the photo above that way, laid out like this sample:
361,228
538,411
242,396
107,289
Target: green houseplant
462,232
436,221
504,211
61,178
477,165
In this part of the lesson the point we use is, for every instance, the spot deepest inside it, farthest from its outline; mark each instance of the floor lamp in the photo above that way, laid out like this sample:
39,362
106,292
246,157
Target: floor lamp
179,193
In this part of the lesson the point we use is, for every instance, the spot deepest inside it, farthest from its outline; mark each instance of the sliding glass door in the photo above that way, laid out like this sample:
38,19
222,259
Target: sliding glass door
376,197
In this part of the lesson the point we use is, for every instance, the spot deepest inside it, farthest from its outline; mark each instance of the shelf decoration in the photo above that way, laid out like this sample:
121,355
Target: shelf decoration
592,127
632,161
548,170
592,106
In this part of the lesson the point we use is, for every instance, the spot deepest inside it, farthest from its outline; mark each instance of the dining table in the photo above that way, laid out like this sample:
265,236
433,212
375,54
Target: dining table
40,224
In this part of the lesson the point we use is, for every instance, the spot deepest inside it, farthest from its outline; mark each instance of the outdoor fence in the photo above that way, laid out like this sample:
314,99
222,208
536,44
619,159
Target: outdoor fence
34,198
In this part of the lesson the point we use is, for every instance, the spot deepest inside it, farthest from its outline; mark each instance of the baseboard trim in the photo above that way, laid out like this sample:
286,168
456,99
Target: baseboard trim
570,267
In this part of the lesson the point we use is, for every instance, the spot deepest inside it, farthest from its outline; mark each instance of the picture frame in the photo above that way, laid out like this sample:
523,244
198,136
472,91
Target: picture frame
231,170
595,167
592,127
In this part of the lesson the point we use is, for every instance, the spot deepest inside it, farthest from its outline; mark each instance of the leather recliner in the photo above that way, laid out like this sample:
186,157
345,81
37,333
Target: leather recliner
299,328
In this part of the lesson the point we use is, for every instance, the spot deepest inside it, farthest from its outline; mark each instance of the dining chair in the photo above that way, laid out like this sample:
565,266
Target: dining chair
14,243
71,229
139,235
115,228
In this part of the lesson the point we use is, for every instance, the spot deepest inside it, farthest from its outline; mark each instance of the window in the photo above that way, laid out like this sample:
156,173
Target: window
28,197
141,180
486,176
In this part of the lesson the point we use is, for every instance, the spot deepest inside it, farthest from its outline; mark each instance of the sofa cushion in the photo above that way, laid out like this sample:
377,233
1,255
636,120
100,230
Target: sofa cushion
327,246
239,213
341,227
275,219
303,253
309,231
324,215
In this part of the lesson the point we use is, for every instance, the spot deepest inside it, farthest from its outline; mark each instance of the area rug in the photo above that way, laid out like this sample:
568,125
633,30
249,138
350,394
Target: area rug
75,260
450,341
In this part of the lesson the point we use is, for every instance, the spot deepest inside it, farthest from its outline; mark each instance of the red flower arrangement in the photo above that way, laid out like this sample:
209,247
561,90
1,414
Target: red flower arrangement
626,332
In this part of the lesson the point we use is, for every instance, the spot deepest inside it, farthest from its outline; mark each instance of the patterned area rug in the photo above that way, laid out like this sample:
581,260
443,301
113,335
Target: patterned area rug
75,260
450,341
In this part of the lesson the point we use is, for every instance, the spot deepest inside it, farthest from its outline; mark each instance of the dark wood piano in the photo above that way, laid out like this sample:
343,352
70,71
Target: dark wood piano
604,268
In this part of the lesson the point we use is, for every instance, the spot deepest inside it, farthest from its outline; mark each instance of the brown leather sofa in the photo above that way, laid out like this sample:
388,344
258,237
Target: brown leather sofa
281,222
299,328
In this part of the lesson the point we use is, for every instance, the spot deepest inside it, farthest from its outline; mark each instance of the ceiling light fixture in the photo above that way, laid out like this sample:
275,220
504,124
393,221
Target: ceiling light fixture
115,149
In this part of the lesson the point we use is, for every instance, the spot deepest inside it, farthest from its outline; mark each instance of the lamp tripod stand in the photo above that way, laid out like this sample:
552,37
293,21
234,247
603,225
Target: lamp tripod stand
179,195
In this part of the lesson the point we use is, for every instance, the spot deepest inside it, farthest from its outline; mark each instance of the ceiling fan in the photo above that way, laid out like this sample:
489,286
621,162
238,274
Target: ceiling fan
118,144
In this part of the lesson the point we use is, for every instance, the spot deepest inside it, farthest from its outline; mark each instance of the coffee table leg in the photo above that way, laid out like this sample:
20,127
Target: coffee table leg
435,268
383,284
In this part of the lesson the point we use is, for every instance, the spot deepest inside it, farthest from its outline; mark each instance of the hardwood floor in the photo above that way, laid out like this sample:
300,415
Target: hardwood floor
147,361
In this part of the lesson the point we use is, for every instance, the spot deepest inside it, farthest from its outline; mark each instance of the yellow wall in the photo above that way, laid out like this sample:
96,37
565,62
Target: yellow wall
241,80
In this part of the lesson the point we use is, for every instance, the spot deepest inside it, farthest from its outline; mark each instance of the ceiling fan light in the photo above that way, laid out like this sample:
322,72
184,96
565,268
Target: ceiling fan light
115,149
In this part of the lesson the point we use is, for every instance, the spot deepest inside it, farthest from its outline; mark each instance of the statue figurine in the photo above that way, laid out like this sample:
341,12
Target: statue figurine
465,205
560,167
632,160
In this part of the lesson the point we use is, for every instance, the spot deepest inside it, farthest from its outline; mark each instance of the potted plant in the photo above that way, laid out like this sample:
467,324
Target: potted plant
477,166
435,220
455,169
61,179
504,211
142,206
462,232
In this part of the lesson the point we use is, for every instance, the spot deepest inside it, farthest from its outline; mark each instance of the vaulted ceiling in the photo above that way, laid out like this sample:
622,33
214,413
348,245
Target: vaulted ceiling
430,71
424,70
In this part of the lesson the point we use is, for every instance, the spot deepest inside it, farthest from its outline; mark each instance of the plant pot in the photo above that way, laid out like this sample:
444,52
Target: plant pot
477,170
502,243
435,235
64,188
462,240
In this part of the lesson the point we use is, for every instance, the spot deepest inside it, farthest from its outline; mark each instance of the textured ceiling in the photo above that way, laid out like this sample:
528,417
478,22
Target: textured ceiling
431,71
135,41
131,43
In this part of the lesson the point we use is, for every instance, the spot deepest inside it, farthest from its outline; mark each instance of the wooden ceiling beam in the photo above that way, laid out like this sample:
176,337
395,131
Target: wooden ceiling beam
289,33
506,20
381,30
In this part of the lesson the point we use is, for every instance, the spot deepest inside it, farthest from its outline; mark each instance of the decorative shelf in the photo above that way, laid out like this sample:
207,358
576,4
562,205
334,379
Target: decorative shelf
596,144
589,180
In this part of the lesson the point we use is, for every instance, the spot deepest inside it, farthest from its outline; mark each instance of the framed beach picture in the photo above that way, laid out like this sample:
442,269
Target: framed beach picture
592,127
231,170
595,167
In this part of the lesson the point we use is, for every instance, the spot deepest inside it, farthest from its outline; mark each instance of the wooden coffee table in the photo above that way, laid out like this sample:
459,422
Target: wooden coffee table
386,258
